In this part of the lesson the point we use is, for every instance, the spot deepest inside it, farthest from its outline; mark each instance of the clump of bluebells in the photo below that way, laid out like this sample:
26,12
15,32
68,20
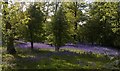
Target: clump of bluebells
87,48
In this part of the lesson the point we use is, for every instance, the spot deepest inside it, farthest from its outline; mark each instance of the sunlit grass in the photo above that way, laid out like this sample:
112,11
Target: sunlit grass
48,58
72,50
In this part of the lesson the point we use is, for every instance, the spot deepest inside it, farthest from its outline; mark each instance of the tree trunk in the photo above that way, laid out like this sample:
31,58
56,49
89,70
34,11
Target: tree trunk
31,38
31,44
57,49
10,37
10,45
75,27
75,15
10,40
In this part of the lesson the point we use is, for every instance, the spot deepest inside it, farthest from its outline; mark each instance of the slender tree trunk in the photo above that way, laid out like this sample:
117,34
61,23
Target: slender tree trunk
31,44
31,37
57,44
56,7
10,37
57,49
75,27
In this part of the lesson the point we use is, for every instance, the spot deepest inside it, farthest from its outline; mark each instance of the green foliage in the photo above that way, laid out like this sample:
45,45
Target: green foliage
16,18
60,28
34,28
74,15
100,24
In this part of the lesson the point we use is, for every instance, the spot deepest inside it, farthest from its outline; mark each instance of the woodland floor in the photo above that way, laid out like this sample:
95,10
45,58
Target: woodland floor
69,57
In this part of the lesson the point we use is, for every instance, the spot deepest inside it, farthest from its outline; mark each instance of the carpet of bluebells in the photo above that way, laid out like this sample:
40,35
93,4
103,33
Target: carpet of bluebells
84,47
70,56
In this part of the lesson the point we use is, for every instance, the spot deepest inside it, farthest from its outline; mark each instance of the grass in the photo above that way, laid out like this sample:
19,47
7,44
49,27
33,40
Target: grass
49,59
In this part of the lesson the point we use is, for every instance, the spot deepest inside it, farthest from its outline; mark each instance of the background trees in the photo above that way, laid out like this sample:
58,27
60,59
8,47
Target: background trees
100,26
61,23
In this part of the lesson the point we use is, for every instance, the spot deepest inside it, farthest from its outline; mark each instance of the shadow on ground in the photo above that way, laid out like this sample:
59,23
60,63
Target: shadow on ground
49,59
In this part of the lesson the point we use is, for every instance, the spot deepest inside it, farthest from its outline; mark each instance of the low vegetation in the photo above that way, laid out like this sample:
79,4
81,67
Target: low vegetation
50,59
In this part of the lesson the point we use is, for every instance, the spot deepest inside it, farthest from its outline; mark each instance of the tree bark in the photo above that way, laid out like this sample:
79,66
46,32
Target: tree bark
31,37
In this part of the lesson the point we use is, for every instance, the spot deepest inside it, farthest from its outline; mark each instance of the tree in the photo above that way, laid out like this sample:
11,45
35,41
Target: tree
59,29
8,29
12,18
102,23
35,25
74,15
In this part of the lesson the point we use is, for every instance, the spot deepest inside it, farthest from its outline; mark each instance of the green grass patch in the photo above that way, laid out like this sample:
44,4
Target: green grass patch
49,59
